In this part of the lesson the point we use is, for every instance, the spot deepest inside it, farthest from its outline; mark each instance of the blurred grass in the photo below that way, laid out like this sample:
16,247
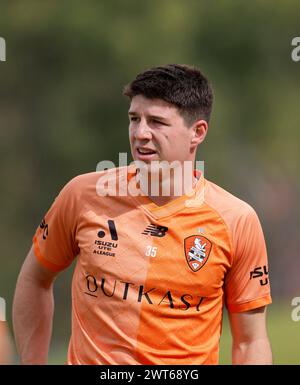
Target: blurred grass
284,335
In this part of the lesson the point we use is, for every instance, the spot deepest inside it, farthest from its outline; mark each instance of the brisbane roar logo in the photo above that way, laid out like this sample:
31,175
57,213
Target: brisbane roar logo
197,249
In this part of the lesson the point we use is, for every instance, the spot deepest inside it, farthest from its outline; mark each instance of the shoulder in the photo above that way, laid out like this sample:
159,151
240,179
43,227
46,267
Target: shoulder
223,200
82,181
89,184
239,217
233,210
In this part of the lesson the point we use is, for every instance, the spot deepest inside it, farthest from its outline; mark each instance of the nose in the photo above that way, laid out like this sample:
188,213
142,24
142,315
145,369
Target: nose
142,131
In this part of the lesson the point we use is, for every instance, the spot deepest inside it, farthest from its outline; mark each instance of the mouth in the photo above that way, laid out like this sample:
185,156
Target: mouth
145,153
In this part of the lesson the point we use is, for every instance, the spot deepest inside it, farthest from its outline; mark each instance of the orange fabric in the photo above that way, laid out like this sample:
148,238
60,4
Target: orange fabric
150,282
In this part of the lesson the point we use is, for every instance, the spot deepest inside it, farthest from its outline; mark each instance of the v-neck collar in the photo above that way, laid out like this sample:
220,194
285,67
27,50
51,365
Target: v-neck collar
193,199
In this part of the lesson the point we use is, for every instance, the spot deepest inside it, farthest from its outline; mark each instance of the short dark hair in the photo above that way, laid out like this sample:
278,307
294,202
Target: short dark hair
182,85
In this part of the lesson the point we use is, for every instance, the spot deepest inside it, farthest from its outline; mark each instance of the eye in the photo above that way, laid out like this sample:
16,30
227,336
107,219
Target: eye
133,118
158,122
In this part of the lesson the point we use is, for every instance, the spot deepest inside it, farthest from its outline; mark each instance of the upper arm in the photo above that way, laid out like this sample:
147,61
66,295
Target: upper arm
55,242
34,271
250,340
5,344
247,283
248,326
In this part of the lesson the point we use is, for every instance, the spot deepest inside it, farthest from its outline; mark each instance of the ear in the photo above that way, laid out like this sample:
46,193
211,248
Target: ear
199,131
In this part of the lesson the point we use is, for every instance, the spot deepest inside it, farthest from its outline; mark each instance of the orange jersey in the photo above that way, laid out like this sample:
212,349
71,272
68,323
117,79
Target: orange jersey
150,281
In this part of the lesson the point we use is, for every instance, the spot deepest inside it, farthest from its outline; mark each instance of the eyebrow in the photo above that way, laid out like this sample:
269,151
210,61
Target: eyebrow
132,113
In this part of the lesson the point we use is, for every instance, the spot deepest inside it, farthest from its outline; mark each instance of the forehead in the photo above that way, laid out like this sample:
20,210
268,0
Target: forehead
156,107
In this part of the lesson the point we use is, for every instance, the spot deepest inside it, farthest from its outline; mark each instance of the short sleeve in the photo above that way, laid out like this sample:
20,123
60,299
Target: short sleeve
54,241
247,284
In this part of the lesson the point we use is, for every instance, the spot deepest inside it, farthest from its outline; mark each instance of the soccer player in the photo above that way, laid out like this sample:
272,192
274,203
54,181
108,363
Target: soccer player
153,269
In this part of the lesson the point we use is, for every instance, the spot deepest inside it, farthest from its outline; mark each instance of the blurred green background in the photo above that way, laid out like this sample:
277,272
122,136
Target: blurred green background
62,111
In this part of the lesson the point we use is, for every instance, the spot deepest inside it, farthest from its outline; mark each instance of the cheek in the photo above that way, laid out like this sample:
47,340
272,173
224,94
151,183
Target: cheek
182,147
131,136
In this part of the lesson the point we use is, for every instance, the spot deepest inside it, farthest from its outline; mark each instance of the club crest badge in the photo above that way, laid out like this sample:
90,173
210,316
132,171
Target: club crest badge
197,249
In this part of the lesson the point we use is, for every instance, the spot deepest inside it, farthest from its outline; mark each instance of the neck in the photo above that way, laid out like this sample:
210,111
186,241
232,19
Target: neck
167,183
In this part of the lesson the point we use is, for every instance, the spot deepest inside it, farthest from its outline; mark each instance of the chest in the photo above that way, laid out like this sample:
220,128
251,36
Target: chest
185,254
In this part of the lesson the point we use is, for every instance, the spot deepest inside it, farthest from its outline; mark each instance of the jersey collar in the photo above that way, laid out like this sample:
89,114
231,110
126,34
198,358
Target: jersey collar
191,200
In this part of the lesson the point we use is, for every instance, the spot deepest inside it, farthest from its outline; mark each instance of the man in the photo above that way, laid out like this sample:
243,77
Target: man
153,270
